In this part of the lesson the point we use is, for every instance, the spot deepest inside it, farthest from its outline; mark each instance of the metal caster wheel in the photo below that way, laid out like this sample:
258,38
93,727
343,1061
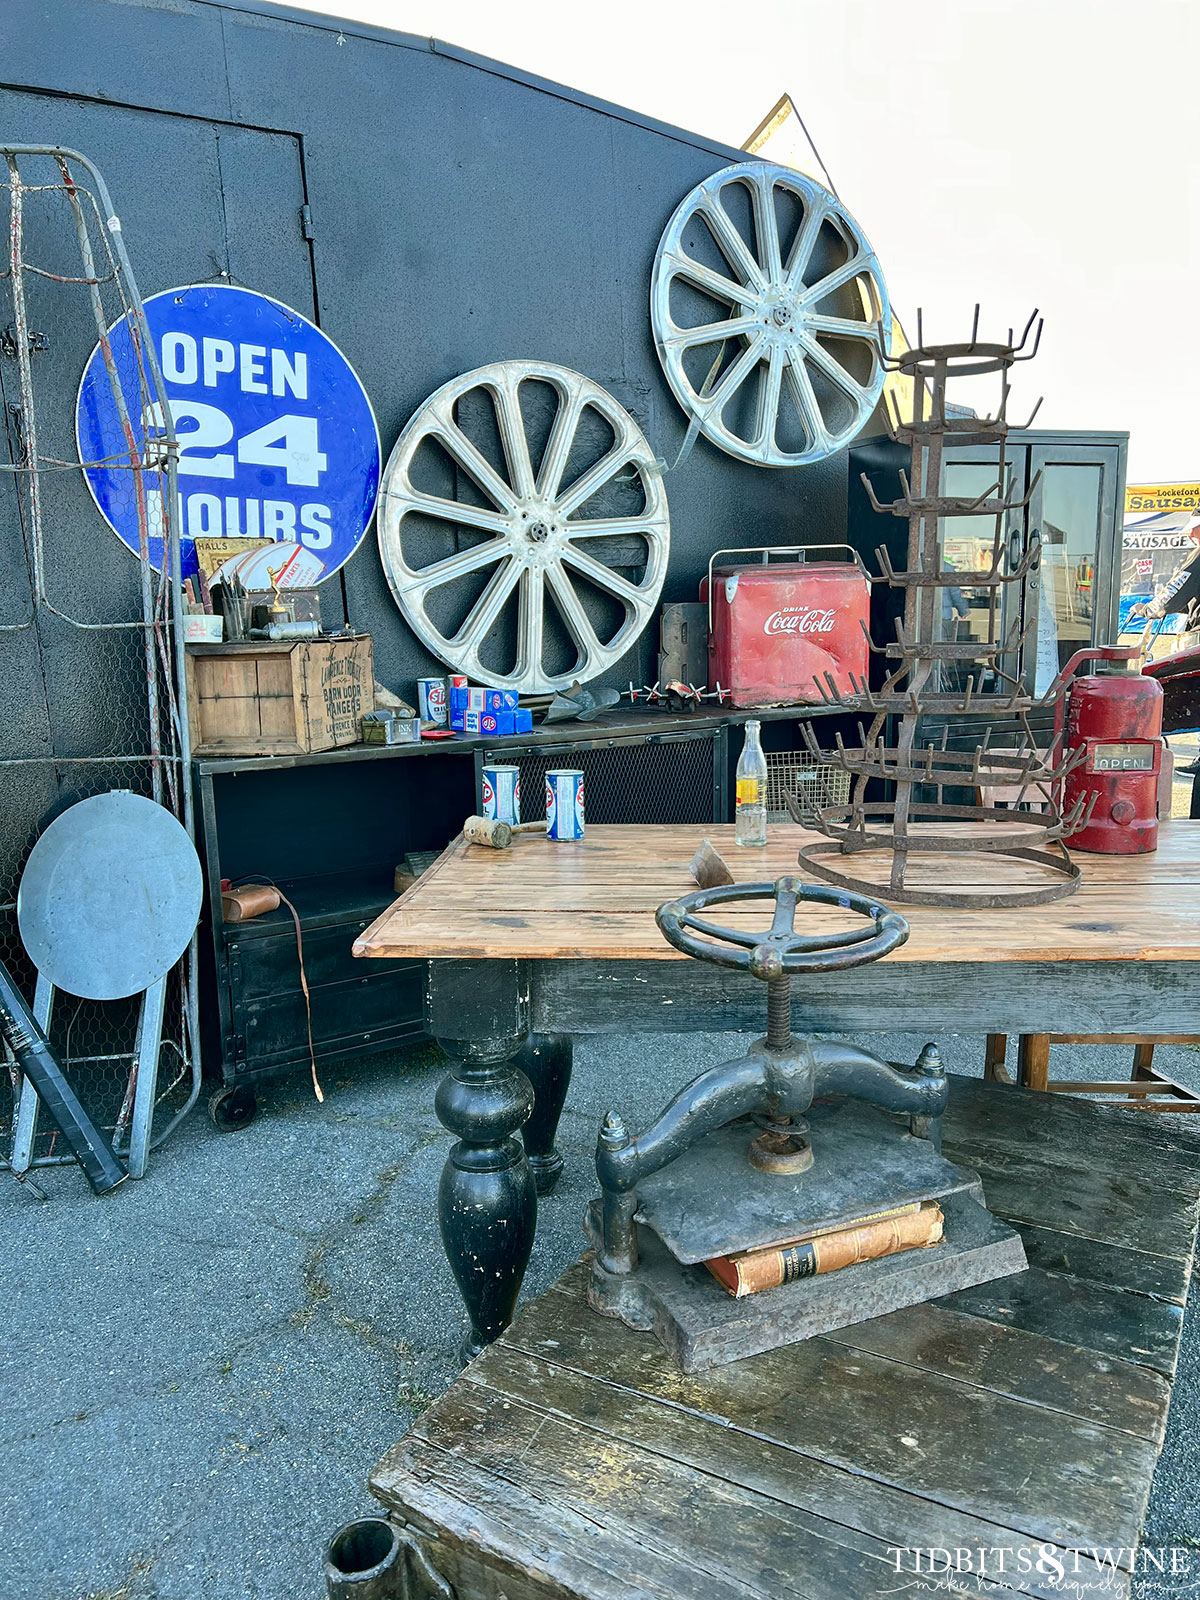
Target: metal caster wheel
232,1107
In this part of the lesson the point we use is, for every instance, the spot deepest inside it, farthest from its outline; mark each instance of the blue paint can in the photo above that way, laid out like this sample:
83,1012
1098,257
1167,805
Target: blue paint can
502,793
564,804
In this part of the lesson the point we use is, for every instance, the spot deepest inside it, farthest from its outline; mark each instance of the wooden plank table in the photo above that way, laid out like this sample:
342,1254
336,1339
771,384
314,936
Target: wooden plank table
531,945
573,1459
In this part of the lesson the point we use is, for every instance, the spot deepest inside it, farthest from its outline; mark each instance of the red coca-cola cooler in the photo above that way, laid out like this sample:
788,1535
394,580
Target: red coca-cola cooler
776,627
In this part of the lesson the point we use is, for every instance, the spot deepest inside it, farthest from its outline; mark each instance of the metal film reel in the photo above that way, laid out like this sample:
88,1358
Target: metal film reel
539,508
767,305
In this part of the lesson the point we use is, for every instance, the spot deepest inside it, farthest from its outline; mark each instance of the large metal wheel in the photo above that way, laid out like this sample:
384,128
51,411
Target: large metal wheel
768,308
523,526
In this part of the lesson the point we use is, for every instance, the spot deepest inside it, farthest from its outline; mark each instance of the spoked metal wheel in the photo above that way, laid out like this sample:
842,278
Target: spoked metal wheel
523,526
768,307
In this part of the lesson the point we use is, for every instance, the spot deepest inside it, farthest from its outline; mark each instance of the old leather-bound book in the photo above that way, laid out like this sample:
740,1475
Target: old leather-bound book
907,1228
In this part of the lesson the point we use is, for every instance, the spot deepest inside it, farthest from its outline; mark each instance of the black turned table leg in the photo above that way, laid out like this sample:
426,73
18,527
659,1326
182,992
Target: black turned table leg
487,1204
545,1059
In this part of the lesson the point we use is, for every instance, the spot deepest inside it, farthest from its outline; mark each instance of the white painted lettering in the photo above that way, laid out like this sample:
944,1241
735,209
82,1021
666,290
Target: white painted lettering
314,523
251,358
179,357
212,428
799,619
279,520
203,516
154,513
285,375
218,358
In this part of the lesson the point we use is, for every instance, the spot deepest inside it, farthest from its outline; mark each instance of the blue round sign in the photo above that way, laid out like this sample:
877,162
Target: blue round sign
277,439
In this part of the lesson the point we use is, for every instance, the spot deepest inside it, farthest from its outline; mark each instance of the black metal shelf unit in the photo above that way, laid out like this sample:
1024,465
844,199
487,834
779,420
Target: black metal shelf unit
330,837
330,829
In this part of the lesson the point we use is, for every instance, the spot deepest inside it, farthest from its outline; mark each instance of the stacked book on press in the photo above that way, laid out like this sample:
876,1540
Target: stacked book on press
732,1260
868,1238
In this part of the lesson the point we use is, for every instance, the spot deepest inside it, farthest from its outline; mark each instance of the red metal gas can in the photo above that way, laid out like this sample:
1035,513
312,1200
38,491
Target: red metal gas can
1117,719
776,629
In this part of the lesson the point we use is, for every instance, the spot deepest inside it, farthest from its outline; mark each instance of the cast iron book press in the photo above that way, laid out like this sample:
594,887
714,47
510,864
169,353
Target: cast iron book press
798,1135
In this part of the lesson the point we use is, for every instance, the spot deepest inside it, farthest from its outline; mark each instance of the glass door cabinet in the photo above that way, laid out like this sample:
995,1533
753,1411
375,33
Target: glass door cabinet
1075,487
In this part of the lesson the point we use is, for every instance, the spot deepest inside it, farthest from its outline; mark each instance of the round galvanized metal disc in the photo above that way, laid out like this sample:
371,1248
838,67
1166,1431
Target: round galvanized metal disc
770,316
110,896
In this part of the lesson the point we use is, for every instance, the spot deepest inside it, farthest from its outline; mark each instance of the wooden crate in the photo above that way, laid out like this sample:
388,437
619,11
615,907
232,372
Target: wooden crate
286,698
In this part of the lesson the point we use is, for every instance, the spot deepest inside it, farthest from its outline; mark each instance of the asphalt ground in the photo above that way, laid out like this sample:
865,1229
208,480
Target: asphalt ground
201,1368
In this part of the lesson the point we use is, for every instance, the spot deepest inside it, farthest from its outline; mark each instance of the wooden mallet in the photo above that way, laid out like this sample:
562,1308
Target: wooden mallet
495,834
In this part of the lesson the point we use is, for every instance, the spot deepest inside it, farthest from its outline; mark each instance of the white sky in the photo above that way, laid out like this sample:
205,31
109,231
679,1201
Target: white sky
1017,152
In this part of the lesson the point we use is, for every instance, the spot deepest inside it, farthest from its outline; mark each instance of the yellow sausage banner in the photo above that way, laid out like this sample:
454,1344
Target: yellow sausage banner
1151,497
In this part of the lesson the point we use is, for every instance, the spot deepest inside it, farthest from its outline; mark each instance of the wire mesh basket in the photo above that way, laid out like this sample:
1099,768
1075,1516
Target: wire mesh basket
810,783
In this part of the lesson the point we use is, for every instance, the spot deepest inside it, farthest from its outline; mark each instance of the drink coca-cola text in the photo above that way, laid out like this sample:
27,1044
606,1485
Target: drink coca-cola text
799,619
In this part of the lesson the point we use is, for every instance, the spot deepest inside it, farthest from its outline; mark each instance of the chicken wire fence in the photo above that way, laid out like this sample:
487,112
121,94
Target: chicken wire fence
90,639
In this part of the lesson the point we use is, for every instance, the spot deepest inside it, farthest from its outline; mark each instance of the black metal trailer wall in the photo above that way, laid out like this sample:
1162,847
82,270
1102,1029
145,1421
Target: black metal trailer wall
431,210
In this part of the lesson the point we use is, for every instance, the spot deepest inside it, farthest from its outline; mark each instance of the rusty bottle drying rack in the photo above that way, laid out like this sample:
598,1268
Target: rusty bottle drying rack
911,687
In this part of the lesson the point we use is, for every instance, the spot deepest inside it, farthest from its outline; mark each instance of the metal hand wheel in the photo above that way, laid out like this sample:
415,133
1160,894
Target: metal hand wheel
782,951
781,1146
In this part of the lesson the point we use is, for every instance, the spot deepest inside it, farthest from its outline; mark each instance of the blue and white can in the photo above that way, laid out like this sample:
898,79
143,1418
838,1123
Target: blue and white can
564,804
502,794
431,700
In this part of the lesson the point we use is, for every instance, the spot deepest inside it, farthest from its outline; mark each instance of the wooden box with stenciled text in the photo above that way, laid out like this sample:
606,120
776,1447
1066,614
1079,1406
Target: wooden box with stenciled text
279,697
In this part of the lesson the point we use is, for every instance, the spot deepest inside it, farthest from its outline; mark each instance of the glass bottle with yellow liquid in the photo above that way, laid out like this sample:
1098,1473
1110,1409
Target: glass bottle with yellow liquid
751,808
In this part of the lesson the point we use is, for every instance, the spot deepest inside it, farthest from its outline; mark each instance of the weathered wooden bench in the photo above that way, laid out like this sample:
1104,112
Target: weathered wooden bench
1147,1087
573,1459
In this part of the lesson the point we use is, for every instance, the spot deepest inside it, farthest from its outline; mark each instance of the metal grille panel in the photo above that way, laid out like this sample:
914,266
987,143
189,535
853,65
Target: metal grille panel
644,780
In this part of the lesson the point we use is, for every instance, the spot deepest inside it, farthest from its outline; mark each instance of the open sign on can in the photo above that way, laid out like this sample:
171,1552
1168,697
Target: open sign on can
564,804
501,794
